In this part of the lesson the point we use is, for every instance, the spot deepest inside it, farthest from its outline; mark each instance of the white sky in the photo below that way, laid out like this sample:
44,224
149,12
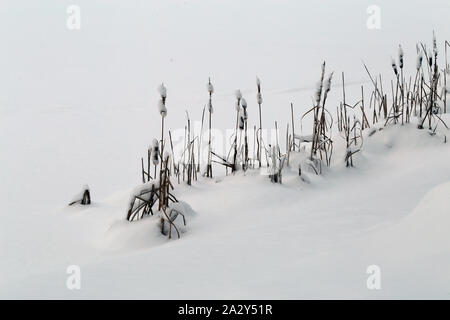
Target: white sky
125,48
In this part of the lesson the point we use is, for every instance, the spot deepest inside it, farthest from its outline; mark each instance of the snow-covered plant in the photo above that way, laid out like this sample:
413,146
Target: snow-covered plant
321,144
163,112
162,108
394,66
162,103
210,89
419,60
155,155
242,120
238,95
162,91
276,164
259,100
435,49
244,109
328,85
243,116
319,85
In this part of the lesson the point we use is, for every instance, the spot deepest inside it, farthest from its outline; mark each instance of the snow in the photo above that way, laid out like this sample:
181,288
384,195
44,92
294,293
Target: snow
144,188
244,103
162,91
238,94
294,240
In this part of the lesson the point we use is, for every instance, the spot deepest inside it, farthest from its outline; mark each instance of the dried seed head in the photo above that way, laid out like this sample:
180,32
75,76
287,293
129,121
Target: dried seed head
435,49
318,92
210,107
419,60
241,121
394,66
244,103
259,98
400,56
210,87
162,108
155,152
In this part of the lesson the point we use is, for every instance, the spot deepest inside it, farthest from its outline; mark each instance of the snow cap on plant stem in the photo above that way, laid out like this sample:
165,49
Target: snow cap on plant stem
318,90
162,108
394,66
162,90
435,49
155,158
166,155
319,85
210,87
238,94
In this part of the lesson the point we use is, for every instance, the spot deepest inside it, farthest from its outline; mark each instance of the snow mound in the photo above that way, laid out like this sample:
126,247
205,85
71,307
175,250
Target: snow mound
425,231
146,232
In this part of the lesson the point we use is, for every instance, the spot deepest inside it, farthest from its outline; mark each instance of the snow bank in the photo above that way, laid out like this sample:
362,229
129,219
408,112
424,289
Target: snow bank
144,233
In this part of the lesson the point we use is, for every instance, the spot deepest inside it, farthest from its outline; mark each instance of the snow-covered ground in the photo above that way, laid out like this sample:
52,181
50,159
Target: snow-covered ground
80,107
248,238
